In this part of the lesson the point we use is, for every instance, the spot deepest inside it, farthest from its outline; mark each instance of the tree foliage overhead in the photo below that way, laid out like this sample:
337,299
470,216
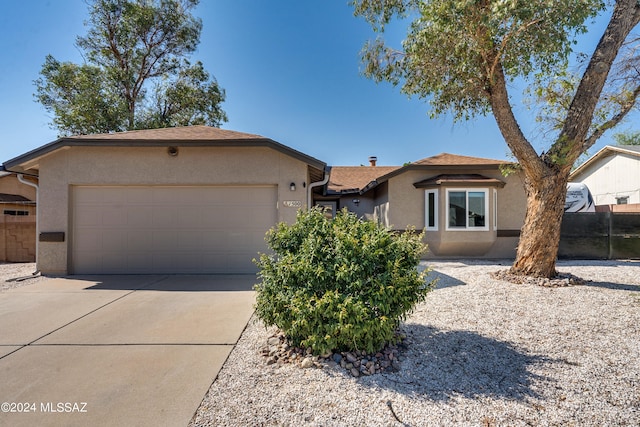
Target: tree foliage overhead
454,48
137,74
463,56
627,138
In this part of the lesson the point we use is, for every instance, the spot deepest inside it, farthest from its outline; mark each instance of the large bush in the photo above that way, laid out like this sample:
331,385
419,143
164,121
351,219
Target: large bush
339,284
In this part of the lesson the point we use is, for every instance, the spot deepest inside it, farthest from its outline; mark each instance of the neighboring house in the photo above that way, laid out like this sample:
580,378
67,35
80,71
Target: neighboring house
465,204
612,175
18,220
175,200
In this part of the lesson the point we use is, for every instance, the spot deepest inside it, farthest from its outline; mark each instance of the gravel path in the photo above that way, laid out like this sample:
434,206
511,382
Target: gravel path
481,352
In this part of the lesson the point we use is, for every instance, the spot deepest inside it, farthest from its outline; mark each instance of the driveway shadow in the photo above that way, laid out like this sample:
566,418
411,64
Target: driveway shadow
175,283
440,365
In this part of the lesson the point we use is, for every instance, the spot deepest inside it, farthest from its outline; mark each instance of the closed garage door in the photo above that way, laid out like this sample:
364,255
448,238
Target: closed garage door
158,229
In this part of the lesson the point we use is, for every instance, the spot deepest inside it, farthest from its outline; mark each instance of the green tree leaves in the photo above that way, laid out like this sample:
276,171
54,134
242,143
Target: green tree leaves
453,48
627,138
129,45
80,97
339,284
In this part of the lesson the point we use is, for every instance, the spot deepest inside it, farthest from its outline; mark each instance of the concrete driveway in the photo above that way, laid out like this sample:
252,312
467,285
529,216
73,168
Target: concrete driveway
116,350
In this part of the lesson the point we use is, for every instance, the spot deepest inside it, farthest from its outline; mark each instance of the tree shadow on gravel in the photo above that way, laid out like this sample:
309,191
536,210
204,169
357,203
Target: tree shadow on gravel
444,280
440,365
614,286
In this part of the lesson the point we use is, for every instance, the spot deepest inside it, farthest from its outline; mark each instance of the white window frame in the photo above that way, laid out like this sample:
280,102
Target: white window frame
495,209
435,210
486,209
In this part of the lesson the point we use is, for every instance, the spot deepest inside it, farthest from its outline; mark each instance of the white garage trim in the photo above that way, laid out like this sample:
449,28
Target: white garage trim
169,229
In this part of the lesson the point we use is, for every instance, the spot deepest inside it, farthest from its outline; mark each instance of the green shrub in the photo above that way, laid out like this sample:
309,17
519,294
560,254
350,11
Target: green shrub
339,284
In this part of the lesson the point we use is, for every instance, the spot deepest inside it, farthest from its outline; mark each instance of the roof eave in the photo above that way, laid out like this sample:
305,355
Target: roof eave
101,142
603,152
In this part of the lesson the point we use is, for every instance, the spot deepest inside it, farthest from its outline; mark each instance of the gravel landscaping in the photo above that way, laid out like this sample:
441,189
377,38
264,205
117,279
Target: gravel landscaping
14,275
479,352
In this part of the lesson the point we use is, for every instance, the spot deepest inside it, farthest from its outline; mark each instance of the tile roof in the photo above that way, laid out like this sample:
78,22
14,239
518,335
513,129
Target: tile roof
185,133
349,179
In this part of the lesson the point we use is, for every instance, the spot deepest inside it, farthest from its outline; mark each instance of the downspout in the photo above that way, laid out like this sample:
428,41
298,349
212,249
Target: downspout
34,185
317,184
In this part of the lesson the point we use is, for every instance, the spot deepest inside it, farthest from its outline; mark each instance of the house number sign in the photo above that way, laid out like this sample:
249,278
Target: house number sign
292,203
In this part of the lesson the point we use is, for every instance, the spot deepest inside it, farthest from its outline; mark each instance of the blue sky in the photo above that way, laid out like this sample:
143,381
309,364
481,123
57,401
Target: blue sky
291,71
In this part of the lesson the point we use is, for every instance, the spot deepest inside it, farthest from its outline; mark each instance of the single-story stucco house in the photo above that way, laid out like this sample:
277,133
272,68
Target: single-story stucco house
467,207
176,200
200,200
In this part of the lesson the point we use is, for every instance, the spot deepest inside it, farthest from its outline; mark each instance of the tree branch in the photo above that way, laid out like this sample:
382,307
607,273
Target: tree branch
505,41
626,108
572,139
510,129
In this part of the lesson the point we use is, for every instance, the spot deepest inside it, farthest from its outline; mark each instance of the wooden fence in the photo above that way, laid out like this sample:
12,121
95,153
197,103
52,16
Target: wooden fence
600,235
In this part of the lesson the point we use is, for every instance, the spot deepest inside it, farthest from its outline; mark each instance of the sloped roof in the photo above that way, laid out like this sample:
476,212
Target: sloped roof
184,133
607,150
350,179
360,179
8,198
440,162
446,159
198,136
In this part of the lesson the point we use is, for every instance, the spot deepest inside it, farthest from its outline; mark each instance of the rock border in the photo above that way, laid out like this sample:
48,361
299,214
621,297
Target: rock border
561,280
356,363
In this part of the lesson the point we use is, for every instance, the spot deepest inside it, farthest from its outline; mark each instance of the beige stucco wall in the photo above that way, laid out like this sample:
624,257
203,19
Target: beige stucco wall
363,209
153,166
512,203
406,208
406,203
381,204
9,184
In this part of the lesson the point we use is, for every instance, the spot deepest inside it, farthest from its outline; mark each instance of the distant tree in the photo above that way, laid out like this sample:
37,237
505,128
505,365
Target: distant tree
627,138
463,55
137,74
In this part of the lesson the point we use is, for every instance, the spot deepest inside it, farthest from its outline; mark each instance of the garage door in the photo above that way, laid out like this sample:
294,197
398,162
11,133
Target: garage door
158,229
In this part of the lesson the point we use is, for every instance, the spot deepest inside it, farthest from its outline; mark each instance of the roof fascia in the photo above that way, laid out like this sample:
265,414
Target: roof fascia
100,142
599,155
33,154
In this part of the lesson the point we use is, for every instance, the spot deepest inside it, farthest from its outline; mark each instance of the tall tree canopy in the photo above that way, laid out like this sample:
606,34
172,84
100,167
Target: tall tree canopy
627,138
136,73
462,55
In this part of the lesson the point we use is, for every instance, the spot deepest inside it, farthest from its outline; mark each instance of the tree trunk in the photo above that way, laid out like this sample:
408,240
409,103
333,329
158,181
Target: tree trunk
540,235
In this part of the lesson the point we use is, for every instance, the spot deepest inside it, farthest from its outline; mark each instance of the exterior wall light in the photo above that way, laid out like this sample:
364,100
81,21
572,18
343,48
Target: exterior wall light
292,186
356,202
172,151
